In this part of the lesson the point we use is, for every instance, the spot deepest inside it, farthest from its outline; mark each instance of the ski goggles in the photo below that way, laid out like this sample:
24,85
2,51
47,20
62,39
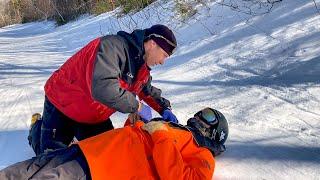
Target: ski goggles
208,116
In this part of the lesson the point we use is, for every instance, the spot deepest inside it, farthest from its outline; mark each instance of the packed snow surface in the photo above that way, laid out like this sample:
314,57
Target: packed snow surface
262,71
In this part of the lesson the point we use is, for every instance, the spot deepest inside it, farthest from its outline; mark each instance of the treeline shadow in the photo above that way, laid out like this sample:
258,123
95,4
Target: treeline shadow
272,152
12,69
296,73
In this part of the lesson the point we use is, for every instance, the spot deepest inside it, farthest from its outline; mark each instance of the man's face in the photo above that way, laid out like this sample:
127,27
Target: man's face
154,54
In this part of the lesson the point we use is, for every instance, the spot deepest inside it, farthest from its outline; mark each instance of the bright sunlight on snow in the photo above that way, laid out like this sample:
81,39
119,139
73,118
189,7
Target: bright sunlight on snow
262,72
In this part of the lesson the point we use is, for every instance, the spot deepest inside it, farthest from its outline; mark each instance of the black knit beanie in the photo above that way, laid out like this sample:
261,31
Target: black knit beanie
163,36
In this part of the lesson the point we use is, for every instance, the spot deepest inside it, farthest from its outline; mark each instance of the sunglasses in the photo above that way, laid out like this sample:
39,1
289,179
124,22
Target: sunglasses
168,41
208,116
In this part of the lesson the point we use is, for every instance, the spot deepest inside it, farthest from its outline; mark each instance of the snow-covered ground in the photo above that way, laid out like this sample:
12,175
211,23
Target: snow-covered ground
262,72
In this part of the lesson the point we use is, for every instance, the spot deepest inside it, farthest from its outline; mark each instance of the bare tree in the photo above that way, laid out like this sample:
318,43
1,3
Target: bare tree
65,10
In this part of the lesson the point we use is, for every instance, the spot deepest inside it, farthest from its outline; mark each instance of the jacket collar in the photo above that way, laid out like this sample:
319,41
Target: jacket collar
136,42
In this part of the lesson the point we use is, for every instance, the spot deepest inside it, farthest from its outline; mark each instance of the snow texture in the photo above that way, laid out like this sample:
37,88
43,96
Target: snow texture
262,72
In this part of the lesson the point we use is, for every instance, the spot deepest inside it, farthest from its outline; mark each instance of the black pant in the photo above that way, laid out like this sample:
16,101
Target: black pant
58,130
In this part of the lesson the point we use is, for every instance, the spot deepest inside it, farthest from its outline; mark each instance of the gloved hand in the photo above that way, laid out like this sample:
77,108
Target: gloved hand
154,126
145,113
167,115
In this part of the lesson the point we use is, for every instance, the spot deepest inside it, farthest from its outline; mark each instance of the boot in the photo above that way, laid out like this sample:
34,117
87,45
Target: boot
35,117
35,132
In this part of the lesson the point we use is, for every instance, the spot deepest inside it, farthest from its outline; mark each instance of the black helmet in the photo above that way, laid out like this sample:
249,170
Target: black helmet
210,129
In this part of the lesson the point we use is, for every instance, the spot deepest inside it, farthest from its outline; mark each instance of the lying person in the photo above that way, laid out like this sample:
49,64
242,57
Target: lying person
152,150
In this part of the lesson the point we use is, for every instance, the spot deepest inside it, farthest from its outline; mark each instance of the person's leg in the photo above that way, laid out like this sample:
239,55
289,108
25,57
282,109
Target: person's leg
27,168
68,170
19,170
56,130
83,131
65,164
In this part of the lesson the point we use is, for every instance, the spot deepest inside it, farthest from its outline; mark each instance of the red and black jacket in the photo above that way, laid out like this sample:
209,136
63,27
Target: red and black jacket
103,77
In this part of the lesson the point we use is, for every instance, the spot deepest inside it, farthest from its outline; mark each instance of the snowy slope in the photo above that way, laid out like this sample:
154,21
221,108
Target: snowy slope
262,72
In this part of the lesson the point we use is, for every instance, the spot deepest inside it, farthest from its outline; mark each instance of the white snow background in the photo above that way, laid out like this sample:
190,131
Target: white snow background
262,72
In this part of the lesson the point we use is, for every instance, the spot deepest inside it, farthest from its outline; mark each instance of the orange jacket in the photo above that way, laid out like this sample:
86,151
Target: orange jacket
131,153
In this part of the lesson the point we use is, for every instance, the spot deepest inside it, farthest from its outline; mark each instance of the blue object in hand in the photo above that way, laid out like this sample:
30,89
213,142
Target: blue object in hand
169,116
145,113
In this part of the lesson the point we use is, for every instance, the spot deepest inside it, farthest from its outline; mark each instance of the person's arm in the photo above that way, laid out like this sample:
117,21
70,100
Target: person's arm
152,96
197,163
105,83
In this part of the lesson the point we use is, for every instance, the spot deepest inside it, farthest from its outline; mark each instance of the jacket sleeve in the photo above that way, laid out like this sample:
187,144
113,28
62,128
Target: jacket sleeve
106,89
152,96
170,162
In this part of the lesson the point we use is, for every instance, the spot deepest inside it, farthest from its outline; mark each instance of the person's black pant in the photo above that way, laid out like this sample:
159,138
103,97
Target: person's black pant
58,130
65,163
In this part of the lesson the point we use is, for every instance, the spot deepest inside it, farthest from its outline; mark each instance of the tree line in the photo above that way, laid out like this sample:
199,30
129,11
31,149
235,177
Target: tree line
61,11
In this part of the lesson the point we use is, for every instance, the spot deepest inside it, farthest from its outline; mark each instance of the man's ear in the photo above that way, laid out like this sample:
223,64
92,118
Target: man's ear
149,44
153,43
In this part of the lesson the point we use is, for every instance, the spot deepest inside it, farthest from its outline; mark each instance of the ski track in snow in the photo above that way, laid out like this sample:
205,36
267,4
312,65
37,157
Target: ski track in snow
261,72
